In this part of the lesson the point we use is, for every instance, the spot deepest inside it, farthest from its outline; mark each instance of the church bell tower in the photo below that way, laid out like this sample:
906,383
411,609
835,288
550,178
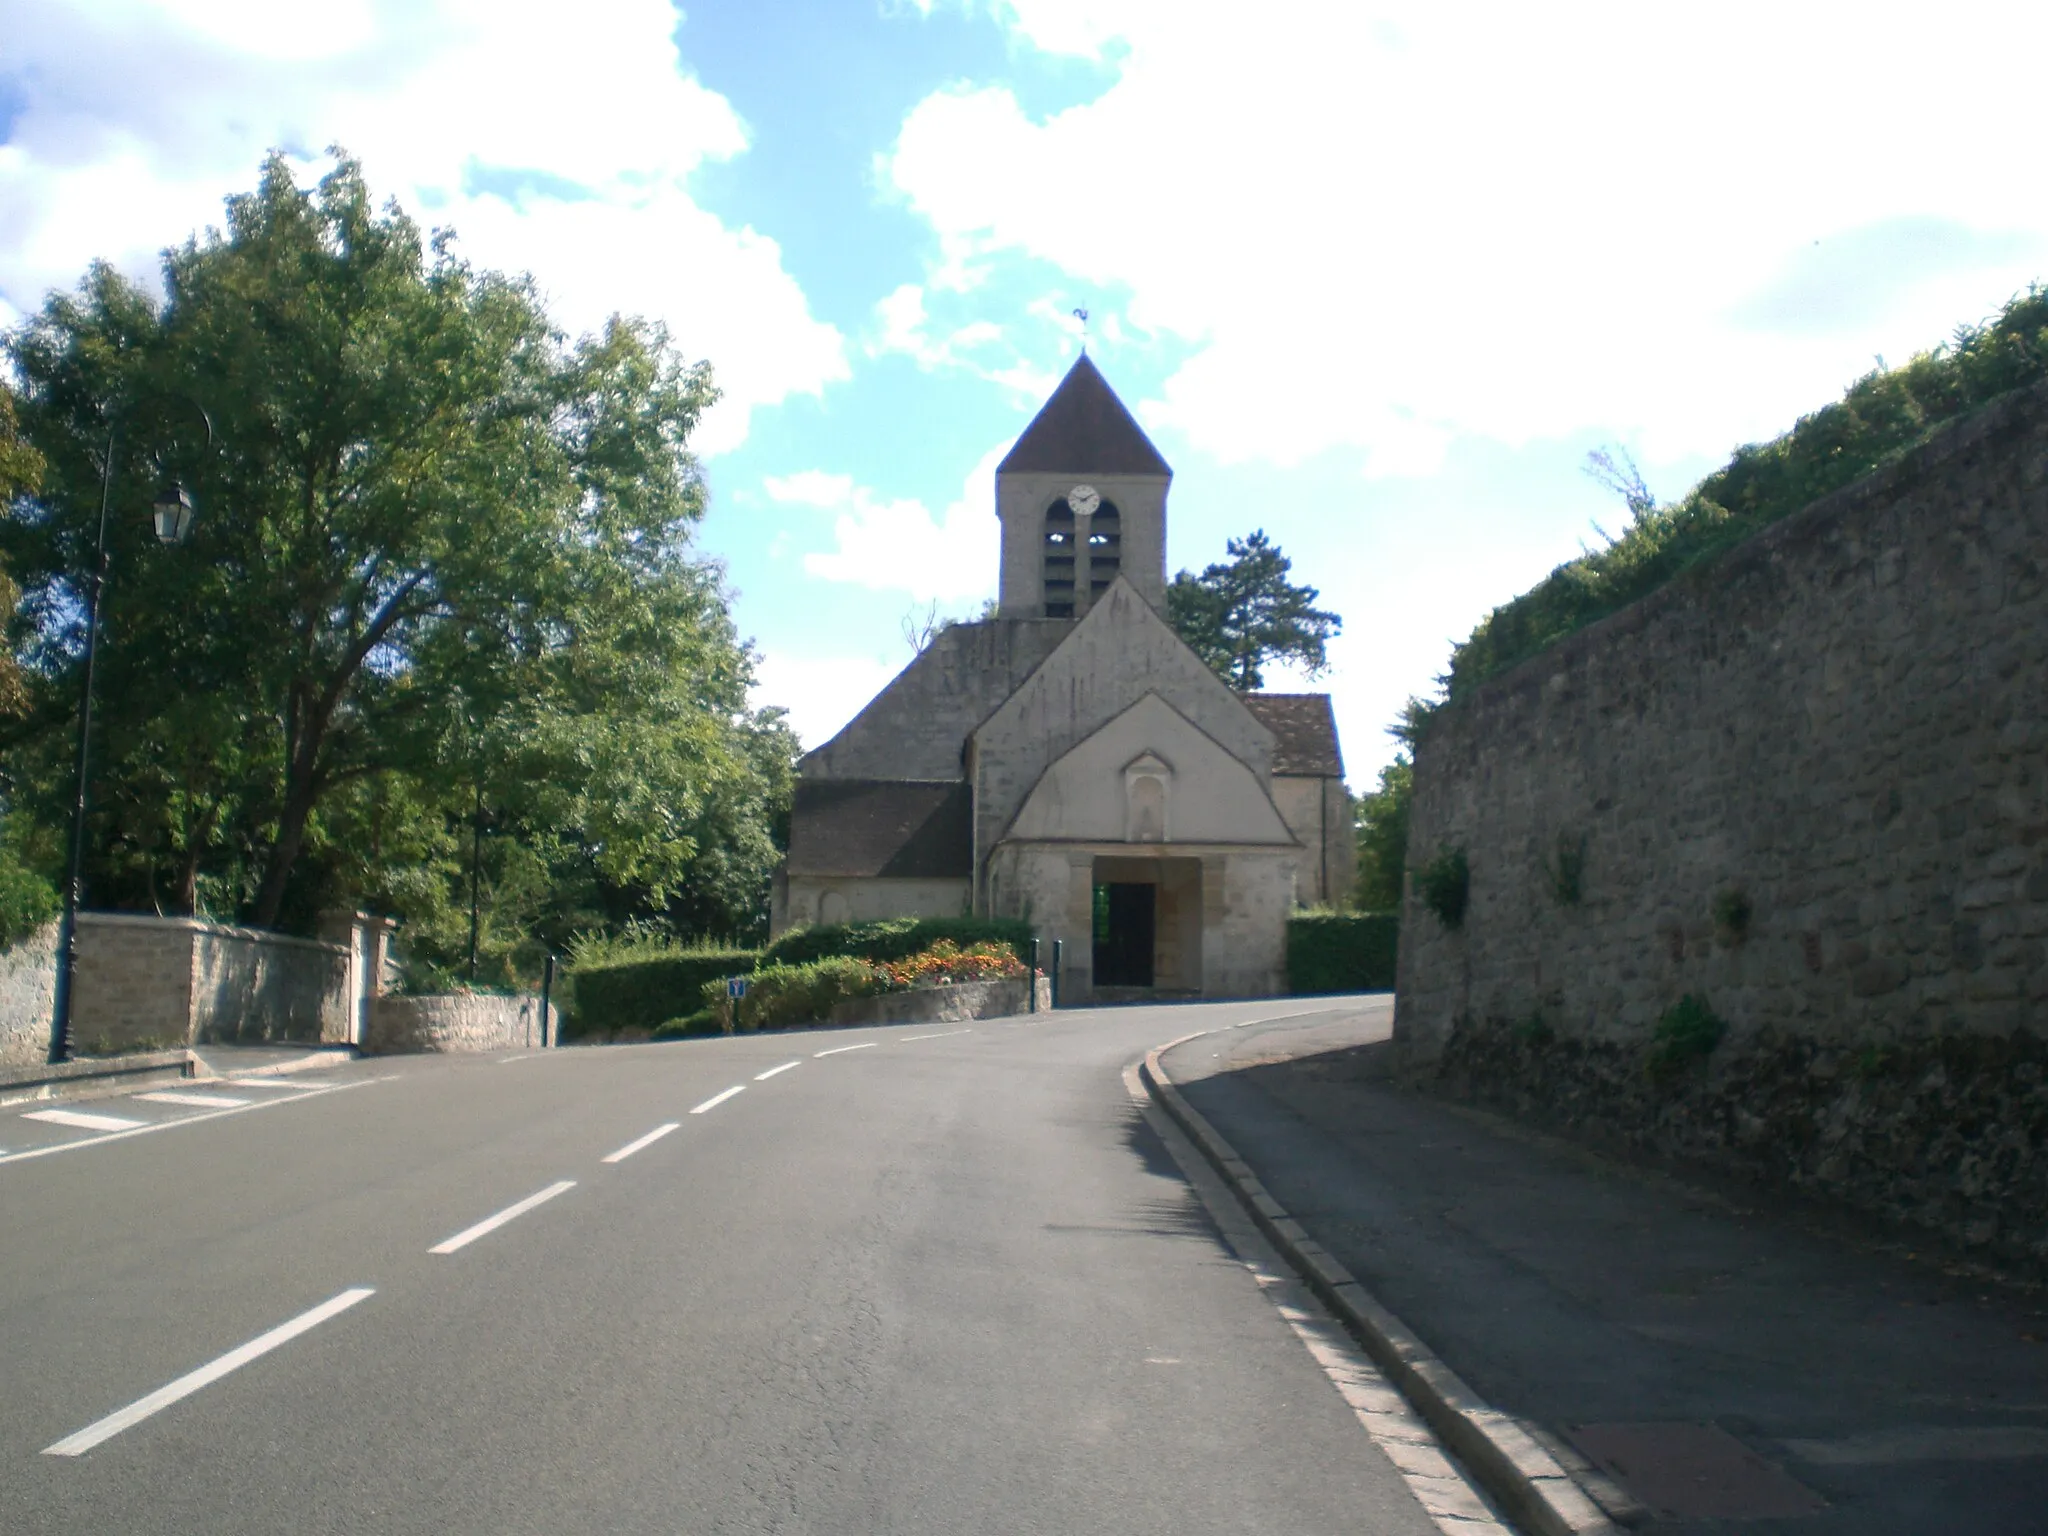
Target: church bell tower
1082,499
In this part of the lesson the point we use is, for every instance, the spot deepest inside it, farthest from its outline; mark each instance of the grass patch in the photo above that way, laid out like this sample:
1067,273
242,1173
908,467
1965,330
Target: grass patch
1882,415
1446,885
1684,1036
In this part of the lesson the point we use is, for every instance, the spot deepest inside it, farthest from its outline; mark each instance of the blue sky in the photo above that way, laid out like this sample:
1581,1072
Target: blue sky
1376,278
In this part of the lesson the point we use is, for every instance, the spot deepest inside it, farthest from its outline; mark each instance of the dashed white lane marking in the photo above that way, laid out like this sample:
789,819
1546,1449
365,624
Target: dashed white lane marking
491,1224
841,1050
645,1141
941,1035
185,1386
136,1128
762,1077
80,1120
717,1099
203,1100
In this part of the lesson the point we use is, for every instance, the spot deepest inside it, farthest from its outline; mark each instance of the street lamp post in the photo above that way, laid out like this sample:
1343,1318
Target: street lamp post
172,513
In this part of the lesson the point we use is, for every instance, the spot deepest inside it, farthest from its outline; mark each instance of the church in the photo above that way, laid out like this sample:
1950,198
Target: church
1072,762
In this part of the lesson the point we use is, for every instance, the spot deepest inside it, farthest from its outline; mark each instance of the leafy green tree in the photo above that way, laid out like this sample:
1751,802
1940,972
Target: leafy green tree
27,900
21,471
1382,831
441,551
1242,614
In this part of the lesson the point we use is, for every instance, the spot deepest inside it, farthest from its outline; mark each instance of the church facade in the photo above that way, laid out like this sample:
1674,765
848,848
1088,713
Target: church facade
1071,761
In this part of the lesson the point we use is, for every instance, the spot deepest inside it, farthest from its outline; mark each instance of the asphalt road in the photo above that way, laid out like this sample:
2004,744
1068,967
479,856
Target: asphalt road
948,1280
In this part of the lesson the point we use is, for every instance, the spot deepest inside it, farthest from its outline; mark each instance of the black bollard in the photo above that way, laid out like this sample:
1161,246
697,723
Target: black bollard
547,986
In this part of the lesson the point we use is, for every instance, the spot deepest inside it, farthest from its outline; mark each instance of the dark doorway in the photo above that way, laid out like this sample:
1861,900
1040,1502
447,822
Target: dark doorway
1123,935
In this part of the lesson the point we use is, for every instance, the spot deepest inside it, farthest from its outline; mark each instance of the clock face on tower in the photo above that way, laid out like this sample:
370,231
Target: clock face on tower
1083,500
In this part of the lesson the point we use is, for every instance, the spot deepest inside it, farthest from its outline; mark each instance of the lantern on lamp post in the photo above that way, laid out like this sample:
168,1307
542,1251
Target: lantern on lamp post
173,511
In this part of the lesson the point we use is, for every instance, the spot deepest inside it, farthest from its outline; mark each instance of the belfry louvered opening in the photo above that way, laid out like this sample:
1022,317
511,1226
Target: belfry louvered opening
1060,553
1105,548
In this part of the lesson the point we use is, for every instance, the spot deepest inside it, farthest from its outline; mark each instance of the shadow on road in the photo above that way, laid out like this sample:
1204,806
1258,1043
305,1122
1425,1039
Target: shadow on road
1575,1291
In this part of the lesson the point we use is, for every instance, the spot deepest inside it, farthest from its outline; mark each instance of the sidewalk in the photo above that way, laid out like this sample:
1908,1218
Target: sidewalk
1725,1359
268,1060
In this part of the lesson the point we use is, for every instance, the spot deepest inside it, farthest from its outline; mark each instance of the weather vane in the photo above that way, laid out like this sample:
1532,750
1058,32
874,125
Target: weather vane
1082,316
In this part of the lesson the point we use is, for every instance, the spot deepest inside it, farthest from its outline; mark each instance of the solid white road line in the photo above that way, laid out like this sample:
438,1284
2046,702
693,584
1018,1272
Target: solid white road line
491,1224
645,1141
762,1077
283,1083
203,1100
185,1386
80,1120
941,1035
506,1061
136,1128
841,1050
717,1099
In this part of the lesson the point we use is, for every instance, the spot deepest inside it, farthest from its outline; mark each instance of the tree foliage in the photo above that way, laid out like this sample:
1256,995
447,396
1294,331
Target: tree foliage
21,471
1881,415
442,559
1381,822
1243,614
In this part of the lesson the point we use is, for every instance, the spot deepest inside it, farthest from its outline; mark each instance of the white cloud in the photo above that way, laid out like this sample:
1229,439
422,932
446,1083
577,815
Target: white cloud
558,142
898,544
1381,227
821,693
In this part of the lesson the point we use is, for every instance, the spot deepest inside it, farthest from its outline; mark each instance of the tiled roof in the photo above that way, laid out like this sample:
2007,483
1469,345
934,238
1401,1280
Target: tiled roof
897,829
1084,430
917,726
1304,732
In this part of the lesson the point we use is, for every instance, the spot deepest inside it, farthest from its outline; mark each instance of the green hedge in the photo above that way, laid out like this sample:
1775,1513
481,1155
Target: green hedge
702,1022
1341,952
897,938
779,995
644,994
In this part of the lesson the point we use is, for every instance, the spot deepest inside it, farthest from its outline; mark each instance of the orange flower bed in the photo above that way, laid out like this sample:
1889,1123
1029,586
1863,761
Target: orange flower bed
945,963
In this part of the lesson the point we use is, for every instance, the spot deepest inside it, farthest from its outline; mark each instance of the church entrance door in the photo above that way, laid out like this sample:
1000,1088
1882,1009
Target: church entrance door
1123,934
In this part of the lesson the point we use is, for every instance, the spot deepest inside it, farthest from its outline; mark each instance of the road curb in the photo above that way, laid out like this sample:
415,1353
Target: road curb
92,1077
318,1058
1516,1470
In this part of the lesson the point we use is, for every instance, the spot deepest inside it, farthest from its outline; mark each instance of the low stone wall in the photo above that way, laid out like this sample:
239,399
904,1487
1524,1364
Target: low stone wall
28,986
154,983
453,1021
944,1005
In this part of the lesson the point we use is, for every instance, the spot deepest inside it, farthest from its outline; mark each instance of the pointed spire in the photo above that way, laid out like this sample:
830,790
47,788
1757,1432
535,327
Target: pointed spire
1084,429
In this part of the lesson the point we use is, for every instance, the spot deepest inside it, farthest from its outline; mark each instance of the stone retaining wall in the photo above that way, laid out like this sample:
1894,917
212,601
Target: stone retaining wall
1806,785
942,1005
28,985
453,1021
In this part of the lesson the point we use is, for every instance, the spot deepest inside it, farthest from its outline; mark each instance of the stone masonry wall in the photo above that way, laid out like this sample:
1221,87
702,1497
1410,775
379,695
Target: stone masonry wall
152,983
945,1005
28,985
249,987
1807,785
454,1021
1121,651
